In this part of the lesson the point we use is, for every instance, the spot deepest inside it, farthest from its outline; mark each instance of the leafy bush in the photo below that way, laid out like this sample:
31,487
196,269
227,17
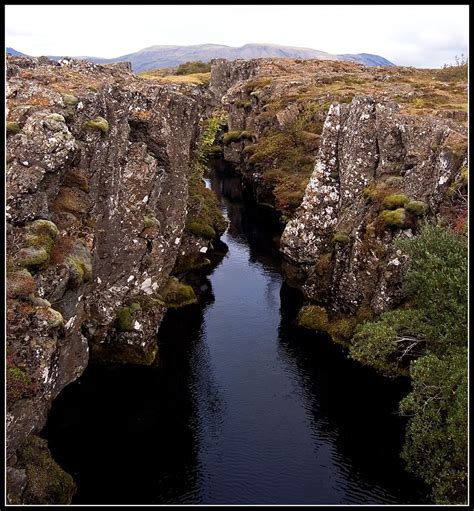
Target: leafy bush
429,339
189,68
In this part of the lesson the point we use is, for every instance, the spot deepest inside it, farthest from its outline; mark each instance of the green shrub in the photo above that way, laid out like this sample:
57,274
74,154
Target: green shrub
192,67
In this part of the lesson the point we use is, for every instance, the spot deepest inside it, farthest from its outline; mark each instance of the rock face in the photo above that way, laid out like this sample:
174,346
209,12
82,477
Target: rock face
377,173
97,190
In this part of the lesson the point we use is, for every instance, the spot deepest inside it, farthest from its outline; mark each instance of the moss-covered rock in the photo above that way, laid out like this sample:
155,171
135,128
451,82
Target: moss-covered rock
99,123
32,257
124,320
55,117
175,294
44,227
313,317
69,99
201,229
47,483
394,201
13,127
393,218
19,384
150,221
231,136
20,284
79,263
416,207
341,238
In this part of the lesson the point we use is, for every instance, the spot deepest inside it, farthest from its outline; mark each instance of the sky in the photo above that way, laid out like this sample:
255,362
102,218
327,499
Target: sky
407,35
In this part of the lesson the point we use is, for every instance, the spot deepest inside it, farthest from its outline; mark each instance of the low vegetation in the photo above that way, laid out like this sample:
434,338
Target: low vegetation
427,339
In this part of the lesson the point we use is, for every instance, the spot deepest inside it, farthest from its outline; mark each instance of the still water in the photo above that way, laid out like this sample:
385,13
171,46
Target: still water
242,406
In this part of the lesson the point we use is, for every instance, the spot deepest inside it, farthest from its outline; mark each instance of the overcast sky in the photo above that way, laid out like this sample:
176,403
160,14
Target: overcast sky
422,36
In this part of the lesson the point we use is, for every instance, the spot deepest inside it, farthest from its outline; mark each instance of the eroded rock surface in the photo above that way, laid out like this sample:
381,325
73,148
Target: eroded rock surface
97,192
378,173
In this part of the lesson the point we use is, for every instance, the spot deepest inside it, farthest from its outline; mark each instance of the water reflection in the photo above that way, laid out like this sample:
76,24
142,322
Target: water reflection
243,407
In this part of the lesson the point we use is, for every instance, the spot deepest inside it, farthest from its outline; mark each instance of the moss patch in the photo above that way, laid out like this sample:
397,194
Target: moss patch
33,257
200,229
19,384
313,317
48,483
44,227
79,263
393,218
231,136
394,201
99,123
416,207
175,294
13,127
150,221
341,238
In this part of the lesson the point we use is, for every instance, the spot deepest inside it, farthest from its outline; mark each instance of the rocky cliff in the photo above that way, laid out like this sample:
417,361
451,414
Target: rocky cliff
378,174
98,164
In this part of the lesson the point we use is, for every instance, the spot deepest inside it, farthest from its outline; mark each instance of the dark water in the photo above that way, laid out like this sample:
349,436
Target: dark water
242,407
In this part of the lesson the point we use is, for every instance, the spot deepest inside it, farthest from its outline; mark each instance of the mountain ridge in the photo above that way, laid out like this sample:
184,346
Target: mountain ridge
158,56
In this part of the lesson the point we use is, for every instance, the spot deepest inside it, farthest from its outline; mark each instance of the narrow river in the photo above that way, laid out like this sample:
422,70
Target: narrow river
242,406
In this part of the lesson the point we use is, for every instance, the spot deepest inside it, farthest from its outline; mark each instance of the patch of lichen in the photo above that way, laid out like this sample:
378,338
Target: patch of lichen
150,221
47,483
175,294
99,124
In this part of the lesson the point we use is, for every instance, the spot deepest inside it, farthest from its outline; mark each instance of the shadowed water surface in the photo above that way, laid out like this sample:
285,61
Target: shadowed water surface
242,407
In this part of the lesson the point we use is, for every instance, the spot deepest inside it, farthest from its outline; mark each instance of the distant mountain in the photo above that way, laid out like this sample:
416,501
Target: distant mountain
170,56
367,59
15,53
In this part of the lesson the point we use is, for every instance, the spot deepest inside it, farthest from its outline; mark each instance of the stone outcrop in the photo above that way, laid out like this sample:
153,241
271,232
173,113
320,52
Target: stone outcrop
97,197
377,174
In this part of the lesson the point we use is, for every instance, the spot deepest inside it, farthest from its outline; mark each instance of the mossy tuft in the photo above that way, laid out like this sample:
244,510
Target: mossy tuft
48,483
175,294
150,221
201,229
45,227
13,127
231,136
313,317
393,218
416,207
394,201
32,257
341,238
99,123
